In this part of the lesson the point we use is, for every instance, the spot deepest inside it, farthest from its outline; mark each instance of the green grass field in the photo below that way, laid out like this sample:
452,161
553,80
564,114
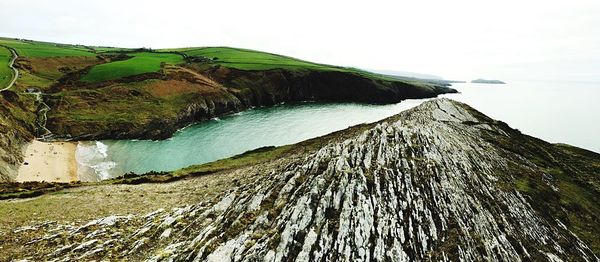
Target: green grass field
139,64
102,49
251,60
246,59
145,62
6,74
42,49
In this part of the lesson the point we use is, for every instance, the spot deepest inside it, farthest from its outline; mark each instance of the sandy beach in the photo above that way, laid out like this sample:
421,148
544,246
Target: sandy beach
49,161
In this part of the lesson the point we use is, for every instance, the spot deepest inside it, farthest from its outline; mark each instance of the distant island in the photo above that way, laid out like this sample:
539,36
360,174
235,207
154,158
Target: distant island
485,81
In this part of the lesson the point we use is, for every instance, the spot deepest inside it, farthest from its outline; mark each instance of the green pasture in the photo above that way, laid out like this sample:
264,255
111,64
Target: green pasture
27,48
140,63
6,73
144,62
246,59
249,59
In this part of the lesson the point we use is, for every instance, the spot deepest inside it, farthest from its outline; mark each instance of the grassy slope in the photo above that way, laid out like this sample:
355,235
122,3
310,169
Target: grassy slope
246,59
133,103
103,49
140,63
42,49
6,74
74,79
252,60
238,58
121,104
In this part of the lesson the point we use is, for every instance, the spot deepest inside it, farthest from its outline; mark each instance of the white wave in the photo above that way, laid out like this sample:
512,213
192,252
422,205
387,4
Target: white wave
103,169
93,162
102,148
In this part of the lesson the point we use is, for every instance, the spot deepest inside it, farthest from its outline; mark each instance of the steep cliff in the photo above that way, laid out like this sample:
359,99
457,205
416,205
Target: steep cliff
438,182
16,126
72,92
154,106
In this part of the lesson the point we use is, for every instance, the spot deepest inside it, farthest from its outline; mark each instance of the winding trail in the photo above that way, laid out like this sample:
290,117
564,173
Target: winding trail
42,119
47,134
12,62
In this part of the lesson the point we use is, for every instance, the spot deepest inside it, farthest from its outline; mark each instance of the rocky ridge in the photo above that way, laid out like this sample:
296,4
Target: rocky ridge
427,184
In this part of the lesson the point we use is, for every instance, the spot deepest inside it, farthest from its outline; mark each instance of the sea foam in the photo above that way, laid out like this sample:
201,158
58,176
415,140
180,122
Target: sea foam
92,160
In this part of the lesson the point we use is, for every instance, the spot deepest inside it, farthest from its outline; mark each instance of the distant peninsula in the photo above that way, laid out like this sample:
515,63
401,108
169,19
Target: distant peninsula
485,81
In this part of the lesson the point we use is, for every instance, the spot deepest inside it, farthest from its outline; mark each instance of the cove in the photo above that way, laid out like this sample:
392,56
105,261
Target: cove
564,112
227,136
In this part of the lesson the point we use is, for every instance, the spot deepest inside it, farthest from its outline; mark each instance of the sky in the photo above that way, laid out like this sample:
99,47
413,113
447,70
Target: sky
460,39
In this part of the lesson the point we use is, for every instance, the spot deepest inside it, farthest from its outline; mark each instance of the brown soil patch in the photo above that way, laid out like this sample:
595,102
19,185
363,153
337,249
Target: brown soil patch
177,72
55,67
177,87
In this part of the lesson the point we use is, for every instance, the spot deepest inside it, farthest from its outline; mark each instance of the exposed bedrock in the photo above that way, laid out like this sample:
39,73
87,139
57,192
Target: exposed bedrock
422,185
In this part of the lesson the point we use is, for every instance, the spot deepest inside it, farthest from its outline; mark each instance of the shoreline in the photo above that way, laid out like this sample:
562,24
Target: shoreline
50,162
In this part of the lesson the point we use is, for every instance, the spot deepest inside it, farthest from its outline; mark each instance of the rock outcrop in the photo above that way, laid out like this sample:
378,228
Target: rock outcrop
428,184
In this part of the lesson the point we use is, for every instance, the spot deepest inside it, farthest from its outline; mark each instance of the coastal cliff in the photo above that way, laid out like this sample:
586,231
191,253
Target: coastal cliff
154,106
437,182
16,125
72,92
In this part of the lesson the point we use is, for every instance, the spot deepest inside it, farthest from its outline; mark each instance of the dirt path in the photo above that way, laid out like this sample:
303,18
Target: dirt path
12,62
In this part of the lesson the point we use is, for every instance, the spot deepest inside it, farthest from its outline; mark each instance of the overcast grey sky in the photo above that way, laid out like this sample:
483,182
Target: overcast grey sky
455,39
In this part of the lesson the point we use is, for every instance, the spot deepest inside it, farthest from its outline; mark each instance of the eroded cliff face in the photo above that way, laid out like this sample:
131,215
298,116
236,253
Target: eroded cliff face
155,105
427,184
279,85
11,156
15,132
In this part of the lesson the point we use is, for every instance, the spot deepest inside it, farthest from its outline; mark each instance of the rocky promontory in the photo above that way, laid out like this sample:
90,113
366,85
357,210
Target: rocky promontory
438,182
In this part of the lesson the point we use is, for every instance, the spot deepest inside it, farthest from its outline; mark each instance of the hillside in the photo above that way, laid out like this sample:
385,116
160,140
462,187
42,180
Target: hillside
6,73
437,182
75,92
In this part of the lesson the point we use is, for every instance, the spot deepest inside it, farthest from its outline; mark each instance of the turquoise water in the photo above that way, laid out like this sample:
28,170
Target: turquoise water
564,112
227,136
